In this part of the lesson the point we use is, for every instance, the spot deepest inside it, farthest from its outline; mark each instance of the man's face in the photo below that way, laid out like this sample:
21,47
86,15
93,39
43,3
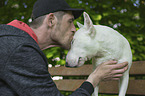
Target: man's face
64,31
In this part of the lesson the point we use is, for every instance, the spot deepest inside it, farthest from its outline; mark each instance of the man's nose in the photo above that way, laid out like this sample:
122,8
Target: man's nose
73,28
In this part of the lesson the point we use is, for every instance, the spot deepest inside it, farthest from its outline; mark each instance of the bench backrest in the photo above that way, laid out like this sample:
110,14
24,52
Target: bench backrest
136,83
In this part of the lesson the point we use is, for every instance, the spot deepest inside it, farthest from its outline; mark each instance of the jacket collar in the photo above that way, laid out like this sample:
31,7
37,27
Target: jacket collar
23,26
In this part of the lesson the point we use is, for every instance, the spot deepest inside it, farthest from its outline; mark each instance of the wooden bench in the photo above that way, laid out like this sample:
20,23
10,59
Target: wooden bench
136,84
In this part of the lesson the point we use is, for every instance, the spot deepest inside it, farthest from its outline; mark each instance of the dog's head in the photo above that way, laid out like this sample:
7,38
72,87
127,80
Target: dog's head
82,47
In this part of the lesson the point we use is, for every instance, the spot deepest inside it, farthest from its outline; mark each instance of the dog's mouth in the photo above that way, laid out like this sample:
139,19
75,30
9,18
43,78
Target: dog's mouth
82,60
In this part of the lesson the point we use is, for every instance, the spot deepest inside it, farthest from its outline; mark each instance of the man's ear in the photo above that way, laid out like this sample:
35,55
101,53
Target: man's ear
51,19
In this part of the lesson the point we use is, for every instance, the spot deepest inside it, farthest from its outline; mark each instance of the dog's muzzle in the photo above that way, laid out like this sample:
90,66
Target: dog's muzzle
67,65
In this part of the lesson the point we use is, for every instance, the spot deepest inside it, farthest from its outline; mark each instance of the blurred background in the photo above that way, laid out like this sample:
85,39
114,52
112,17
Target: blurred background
125,16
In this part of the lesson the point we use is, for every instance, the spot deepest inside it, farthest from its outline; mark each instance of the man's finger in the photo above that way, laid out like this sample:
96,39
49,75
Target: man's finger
121,65
111,62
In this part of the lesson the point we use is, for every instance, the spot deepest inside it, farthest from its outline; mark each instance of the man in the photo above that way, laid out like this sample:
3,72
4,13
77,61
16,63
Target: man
24,70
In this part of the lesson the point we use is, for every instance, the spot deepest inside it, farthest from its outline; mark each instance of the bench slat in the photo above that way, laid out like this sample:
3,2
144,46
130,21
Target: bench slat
109,87
138,68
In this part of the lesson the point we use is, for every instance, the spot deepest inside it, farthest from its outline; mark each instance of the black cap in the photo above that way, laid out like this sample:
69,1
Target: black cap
43,7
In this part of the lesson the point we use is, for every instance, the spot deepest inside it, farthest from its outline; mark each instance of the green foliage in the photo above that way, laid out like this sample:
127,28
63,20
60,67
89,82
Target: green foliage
56,56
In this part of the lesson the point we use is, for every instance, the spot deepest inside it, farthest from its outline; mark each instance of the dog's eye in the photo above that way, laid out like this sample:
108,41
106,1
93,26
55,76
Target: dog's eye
80,58
72,41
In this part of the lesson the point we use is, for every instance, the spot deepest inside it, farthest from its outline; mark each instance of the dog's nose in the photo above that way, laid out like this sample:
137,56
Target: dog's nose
67,65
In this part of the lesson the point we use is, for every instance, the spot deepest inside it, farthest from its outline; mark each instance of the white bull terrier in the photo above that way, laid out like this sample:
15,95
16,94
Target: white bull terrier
101,43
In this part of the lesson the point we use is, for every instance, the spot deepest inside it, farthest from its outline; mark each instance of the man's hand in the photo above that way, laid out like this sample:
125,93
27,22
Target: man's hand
107,71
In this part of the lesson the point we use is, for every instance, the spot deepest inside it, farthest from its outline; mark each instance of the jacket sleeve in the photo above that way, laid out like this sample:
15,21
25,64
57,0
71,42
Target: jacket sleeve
26,72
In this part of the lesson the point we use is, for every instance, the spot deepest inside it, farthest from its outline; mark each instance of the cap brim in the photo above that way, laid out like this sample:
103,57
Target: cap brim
76,12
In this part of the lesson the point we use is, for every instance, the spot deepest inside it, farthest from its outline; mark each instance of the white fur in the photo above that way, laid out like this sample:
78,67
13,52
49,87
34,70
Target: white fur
101,43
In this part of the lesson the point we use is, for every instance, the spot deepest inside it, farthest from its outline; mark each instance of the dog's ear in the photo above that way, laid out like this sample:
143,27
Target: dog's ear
89,25
80,25
92,32
87,21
